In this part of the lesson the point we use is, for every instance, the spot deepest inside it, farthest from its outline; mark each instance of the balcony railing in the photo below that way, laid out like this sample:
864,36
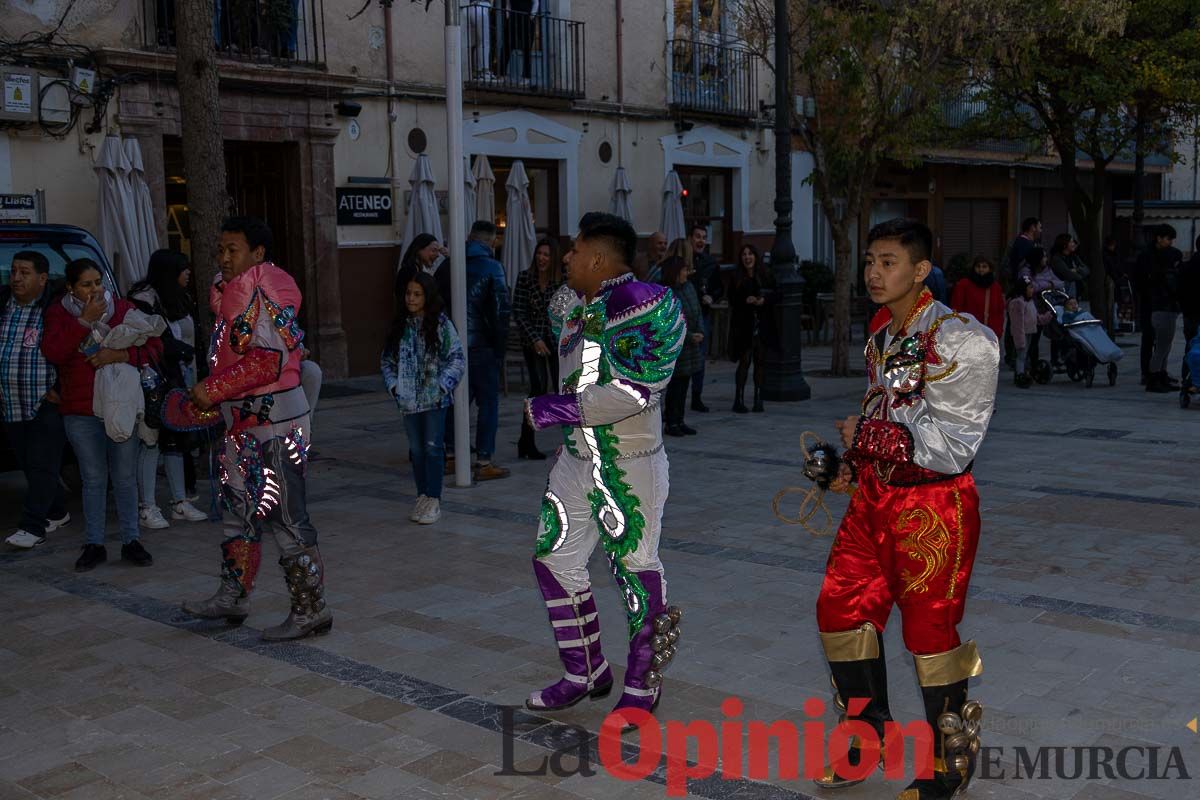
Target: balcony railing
713,78
279,31
515,52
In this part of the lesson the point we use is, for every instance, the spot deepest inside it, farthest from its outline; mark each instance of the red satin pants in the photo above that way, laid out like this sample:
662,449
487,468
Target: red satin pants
911,546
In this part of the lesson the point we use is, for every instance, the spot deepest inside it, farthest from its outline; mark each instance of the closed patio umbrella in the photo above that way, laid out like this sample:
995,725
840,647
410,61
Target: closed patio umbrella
672,224
620,203
423,214
147,229
469,195
118,220
520,238
485,190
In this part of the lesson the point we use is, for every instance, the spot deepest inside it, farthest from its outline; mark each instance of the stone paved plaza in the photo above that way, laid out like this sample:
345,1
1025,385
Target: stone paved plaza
1085,602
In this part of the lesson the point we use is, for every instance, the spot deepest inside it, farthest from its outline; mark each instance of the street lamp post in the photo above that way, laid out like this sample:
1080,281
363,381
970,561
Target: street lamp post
785,375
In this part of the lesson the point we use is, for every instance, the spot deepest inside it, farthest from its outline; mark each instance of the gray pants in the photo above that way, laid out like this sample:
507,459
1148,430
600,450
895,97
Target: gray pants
576,531
1164,332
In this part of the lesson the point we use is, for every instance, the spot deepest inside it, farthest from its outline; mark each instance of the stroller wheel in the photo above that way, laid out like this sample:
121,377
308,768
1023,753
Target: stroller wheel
1043,372
1074,372
1112,374
1089,376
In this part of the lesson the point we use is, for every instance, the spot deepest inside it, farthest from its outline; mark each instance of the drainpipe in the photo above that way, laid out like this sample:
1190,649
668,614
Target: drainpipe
391,90
620,88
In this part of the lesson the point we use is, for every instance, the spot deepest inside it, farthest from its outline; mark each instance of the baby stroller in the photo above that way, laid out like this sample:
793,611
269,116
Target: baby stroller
1083,341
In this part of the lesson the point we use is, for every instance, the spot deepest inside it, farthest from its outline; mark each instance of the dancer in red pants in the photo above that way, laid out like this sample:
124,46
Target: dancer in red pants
909,536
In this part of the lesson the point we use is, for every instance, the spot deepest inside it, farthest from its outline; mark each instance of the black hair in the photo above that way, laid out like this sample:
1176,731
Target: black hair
1166,231
41,264
163,277
1034,259
1060,243
76,268
1029,222
616,232
419,243
482,227
915,237
1018,287
257,232
555,260
697,226
671,267
587,219
761,274
431,321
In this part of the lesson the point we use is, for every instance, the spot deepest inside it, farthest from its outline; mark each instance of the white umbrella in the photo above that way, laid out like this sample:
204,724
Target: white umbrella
485,190
117,218
147,229
672,224
423,214
469,196
520,239
620,202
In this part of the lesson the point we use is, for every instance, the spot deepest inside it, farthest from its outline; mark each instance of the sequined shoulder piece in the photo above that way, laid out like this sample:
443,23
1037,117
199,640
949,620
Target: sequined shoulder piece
642,346
631,299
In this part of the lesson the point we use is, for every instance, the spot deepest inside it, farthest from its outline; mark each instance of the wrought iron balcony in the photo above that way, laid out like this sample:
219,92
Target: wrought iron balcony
713,78
273,31
518,53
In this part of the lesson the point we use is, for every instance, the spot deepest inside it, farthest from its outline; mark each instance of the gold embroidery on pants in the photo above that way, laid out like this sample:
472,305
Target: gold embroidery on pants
958,551
928,542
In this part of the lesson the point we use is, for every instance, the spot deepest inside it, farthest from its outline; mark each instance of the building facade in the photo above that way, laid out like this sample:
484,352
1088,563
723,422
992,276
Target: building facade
313,102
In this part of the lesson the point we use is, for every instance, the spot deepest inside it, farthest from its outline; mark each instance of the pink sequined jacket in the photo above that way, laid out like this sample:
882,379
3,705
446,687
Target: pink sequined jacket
255,354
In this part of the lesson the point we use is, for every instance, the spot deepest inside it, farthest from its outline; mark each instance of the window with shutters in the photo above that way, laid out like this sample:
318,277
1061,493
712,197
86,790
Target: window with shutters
973,227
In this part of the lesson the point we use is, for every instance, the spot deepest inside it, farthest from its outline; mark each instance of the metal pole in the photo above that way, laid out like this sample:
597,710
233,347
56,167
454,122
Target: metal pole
458,236
784,379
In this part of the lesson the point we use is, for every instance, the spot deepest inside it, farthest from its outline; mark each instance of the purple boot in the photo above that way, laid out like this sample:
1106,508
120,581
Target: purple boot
577,631
651,648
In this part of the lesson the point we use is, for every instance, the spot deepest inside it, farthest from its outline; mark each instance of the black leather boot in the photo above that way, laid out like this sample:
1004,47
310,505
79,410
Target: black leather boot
758,406
526,446
955,722
864,675
739,399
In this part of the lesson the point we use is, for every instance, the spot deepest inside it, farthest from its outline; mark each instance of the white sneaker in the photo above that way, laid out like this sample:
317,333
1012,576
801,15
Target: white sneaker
54,524
24,540
186,511
418,508
150,518
432,513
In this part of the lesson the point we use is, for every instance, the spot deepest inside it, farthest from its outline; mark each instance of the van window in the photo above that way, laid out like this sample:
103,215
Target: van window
58,253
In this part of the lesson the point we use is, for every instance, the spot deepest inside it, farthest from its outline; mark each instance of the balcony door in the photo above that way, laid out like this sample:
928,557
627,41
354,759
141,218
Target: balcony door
708,201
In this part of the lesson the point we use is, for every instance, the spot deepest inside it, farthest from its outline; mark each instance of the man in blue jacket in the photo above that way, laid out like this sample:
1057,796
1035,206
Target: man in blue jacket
486,338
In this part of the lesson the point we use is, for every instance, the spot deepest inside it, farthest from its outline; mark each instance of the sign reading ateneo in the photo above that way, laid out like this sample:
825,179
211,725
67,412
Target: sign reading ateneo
364,206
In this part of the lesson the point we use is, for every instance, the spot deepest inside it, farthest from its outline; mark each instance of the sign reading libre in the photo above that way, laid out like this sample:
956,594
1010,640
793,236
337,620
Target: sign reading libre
364,206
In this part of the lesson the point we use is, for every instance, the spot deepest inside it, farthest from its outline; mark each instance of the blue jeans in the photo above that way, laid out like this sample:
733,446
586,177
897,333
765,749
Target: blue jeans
427,449
483,386
100,459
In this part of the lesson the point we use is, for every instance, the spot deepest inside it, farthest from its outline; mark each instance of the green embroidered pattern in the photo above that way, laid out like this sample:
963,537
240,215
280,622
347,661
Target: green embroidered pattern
552,526
644,347
635,594
569,443
572,381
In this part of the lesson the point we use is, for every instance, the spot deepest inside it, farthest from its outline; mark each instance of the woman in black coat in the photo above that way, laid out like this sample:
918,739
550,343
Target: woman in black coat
751,296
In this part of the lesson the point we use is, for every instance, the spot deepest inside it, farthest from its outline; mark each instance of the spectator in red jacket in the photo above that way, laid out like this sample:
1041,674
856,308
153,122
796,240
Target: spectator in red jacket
980,295
75,324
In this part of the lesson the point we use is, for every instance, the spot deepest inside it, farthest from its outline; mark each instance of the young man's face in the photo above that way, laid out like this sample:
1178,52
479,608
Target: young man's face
27,283
890,273
581,261
1163,242
699,240
235,256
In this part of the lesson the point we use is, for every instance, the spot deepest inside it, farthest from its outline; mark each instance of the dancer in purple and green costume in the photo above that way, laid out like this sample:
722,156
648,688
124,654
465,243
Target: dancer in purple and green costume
617,344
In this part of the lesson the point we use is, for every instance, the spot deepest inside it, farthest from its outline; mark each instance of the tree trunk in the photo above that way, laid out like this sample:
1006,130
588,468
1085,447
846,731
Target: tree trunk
1091,241
203,148
843,277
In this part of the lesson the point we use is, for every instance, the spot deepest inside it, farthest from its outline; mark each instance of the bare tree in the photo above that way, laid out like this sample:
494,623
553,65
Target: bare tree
200,128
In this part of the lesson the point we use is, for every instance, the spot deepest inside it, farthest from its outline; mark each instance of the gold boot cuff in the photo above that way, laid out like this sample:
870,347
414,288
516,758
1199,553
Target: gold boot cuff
859,644
952,666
